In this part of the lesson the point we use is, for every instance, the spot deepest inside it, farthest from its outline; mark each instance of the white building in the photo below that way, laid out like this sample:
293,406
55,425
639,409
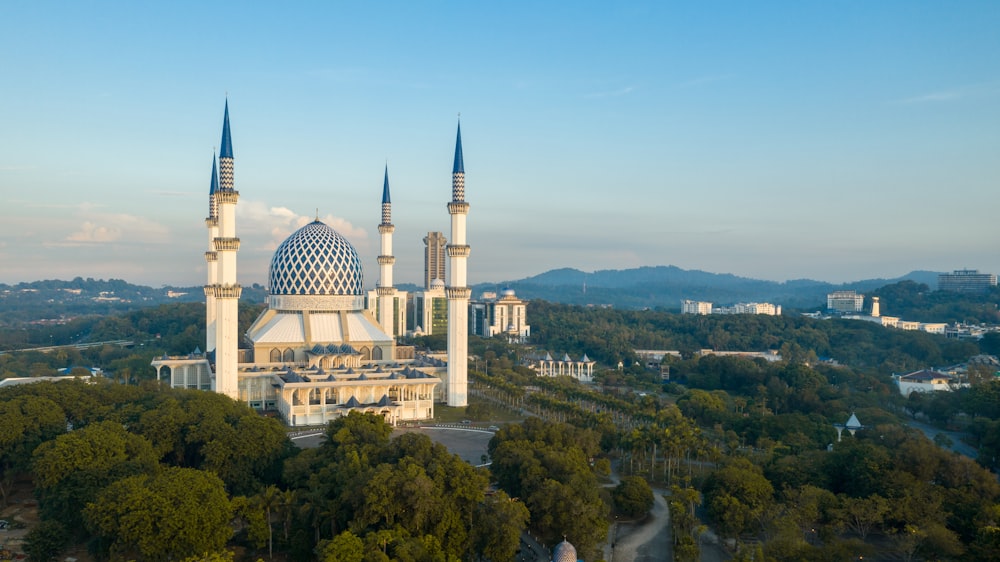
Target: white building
764,308
508,315
581,370
770,355
967,281
845,301
695,307
317,352
923,381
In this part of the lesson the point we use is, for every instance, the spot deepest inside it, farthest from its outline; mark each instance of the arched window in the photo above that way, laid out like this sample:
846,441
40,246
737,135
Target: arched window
275,356
288,356
366,354
377,353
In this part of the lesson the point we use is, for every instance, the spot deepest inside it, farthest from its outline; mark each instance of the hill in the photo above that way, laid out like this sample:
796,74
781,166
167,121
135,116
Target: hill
53,301
667,286
56,301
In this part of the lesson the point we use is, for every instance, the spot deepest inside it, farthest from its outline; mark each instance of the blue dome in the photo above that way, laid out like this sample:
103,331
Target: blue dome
315,260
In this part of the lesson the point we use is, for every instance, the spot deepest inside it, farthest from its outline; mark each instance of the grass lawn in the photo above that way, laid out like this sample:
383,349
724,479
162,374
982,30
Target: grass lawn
482,413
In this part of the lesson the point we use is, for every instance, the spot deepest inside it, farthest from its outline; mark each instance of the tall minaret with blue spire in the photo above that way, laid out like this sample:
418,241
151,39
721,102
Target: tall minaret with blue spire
385,290
227,290
211,258
457,290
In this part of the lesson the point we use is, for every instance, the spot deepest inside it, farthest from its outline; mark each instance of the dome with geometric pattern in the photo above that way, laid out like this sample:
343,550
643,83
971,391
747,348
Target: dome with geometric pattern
564,552
315,260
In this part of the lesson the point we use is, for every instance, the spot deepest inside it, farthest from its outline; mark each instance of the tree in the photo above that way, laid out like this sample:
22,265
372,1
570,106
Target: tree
73,468
345,547
736,496
864,514
46,541
633,497
177,513
497,525
250,518
269,500
25,422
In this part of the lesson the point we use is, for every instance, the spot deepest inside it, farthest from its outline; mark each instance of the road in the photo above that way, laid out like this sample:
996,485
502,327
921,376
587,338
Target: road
957,444
645,542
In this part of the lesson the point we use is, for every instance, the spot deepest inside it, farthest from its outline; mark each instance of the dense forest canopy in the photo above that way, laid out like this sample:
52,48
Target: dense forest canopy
611,335
746,445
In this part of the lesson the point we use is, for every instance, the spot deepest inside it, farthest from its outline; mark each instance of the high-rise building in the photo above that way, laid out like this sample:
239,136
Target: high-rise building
435,265
966,281
430,310
844,301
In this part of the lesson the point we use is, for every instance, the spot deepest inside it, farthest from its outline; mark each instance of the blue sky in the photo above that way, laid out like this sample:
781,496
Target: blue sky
774,140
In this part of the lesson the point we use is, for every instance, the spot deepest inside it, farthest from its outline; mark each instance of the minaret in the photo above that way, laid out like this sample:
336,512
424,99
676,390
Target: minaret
227,290
456,290
385,291
211,258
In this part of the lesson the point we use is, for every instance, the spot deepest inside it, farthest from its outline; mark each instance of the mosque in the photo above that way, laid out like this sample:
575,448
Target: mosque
319,351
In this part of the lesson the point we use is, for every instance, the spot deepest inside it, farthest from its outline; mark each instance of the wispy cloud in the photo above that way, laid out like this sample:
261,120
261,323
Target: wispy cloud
611,94
108,228
952,94
90,232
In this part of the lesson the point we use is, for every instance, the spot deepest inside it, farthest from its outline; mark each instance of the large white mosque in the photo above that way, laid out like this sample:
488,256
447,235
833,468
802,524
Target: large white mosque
317,352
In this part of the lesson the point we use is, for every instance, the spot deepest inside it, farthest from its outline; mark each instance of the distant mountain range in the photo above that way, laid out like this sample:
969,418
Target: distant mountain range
667,286
644,287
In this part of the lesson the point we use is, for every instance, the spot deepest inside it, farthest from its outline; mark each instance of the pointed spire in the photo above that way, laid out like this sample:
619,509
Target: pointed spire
386,203
385,187
213,207
215,176
227,142
459,163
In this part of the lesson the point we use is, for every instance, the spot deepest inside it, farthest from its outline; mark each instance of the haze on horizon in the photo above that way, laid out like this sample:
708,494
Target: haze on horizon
772,140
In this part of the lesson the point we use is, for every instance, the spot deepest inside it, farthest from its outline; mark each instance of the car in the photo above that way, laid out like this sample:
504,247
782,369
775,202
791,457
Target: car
466,422
493,428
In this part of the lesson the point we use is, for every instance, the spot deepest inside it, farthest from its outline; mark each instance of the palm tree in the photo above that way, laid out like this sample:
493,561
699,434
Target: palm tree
270,498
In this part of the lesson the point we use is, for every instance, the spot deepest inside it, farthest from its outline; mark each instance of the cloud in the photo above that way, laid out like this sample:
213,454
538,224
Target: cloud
953,94
104,228
280,222
615,93
90,232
